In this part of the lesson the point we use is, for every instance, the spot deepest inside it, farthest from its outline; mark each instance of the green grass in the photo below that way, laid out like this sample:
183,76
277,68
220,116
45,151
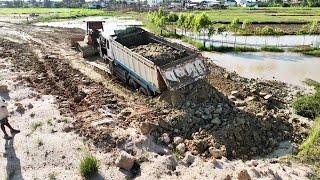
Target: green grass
65,120
61,11
200,46
49,122
48,14
307,50
36,125
308,105
265,15
272,49
52,176
177,154
309,151
254,15
89,166
313,53
245,49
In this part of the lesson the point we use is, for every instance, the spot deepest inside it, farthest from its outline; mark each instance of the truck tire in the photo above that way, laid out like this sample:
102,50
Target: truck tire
111,68
145,91
133,85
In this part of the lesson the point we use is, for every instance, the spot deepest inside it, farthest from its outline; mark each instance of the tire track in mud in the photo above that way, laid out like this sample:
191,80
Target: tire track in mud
90,102
76,94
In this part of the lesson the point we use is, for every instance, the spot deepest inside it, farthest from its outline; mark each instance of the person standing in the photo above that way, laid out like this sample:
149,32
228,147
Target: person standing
4,119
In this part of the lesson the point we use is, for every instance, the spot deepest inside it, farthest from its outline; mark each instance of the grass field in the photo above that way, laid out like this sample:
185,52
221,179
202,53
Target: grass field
47,14
254,15
265,15
64,11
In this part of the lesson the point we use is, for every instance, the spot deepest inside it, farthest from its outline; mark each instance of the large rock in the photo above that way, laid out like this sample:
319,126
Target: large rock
181,147
235,93
216,121
218,153
4,89
125,112
177,140
146,127
244,175
188,158
165,138
125,160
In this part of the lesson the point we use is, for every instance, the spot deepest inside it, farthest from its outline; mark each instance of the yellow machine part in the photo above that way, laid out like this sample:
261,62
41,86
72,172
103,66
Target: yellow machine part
86,49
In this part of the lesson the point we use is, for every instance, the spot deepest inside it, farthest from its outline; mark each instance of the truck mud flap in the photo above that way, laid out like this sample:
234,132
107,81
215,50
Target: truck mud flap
181,74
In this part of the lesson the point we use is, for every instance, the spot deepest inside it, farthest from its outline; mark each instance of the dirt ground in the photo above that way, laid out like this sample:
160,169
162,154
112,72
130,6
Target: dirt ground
287,28
177,135
158,53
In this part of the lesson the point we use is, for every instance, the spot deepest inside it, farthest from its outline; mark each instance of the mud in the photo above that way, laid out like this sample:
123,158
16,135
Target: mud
158,53
222,115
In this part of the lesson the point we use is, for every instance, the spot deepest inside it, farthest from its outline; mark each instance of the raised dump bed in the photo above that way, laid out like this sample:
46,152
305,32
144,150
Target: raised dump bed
150,62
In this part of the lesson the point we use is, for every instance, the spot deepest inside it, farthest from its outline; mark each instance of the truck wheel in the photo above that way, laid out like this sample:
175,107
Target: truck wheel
133,84
145,91
111,68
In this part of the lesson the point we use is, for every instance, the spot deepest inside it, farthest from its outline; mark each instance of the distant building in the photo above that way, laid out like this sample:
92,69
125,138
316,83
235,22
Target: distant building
246,3
74,3
230,3
97,5
154,3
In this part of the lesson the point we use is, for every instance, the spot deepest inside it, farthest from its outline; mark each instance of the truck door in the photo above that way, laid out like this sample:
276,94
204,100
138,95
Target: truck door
109,49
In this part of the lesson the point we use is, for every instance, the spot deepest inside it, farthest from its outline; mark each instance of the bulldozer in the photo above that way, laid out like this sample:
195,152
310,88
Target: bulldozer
150,76
88,45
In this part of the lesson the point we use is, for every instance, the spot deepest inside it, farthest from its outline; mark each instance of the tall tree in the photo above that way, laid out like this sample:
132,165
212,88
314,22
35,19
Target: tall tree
181,21
188,23
201,23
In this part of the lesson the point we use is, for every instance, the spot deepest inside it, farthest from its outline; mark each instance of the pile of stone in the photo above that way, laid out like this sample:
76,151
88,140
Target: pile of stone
248,119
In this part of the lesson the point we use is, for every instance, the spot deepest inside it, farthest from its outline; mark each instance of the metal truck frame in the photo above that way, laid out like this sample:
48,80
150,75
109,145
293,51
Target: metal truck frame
147,76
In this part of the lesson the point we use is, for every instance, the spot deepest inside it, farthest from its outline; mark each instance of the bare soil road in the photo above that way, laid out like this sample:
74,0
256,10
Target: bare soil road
67,107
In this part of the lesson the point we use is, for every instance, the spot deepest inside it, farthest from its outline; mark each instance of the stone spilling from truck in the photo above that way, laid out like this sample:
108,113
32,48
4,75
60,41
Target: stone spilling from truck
146,62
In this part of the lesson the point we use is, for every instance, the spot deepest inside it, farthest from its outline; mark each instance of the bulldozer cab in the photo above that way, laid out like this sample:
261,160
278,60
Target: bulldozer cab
94,26
93,30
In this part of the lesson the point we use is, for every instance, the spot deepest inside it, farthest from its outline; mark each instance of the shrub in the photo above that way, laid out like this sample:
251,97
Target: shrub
246,24
272,49
309,151
36,125
89,166
267,30
245,49
313,27
234,25
172,17
308,105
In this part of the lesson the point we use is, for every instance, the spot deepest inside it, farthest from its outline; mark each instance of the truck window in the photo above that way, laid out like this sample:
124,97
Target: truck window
108,44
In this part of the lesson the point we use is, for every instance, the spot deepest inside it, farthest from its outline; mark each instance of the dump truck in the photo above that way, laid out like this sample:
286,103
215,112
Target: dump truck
149,63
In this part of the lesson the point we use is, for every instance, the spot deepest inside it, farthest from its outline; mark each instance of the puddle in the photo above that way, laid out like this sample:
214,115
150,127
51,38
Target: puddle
229,39
287,67
111,23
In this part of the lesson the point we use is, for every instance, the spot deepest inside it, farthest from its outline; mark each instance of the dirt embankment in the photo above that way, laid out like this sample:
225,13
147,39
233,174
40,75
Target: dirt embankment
212,115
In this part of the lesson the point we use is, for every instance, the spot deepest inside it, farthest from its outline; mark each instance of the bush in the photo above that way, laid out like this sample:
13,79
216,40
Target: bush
267,30
313,53
272,49
309,151
245,49
307,50
221,48
89,166
308,105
